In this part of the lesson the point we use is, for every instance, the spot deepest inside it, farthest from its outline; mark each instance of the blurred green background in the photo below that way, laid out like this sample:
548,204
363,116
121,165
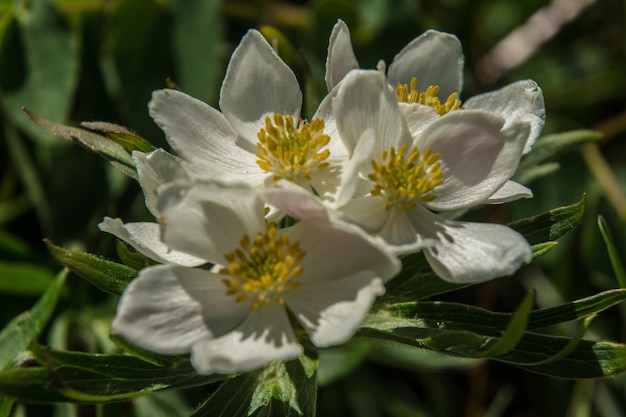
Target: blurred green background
85,60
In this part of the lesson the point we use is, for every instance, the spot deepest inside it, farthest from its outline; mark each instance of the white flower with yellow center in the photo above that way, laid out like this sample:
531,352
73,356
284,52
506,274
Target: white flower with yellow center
394,180
427,75
258,136
237,316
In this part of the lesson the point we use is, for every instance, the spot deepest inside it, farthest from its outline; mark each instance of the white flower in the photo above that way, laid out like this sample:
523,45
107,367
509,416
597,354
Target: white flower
154,169
236,316
428,73
258,136
394,180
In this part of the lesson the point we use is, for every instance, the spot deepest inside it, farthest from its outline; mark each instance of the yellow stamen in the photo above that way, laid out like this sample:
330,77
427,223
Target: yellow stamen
291,152
262,269
427,97
405,180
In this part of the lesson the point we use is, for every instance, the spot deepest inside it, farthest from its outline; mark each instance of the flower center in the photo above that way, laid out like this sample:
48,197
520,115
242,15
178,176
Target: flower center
427,97
263,269
403,181
292,152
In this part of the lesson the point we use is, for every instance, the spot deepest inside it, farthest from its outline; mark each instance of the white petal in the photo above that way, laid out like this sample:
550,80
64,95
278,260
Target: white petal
294,201
340,59
477,156
335,250
519,101
417,117
199,133
208,219
510,191
476,252
368,212
146,238
435,58
168,308
257,82
350,176
154,169
331,313
264,336
364,101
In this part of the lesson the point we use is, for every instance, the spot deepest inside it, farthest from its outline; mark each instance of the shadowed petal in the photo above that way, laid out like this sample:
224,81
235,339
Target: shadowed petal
199,133
510,191
264,336
146,238
435,58
519,101
340,59
257,82
168,308
333,311
476,252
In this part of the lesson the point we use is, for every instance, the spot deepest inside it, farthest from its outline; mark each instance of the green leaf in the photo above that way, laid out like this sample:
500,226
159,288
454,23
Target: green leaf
6,404
587,360
120,135
131,258
550,147
108,149
197,46
94,378
514,329
613,255
23,329
415,281
144,355
106,275
51,62
552,224
540,249
457,316
24,279
280,389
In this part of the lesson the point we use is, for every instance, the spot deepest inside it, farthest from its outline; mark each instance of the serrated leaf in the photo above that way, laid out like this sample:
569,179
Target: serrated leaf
23,329
93,378
540,249
107,275
101,145
551,225
120,135
280,389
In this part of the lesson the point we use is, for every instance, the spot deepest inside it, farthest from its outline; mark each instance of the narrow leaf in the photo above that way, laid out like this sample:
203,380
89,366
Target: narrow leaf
540,249
121,135
106,275
514,330
24,279
434,314
613,255
101,145
94,378
415,281
571,345
23,329
551,225
280,389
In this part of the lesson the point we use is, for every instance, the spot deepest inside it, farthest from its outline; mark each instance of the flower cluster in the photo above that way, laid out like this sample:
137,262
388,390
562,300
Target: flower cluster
361,183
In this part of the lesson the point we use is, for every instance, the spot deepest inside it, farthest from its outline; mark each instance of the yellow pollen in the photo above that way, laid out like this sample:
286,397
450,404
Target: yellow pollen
291,152
427,97
404,180
262,269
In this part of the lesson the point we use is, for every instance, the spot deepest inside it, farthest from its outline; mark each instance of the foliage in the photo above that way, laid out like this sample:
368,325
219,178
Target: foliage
66,61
